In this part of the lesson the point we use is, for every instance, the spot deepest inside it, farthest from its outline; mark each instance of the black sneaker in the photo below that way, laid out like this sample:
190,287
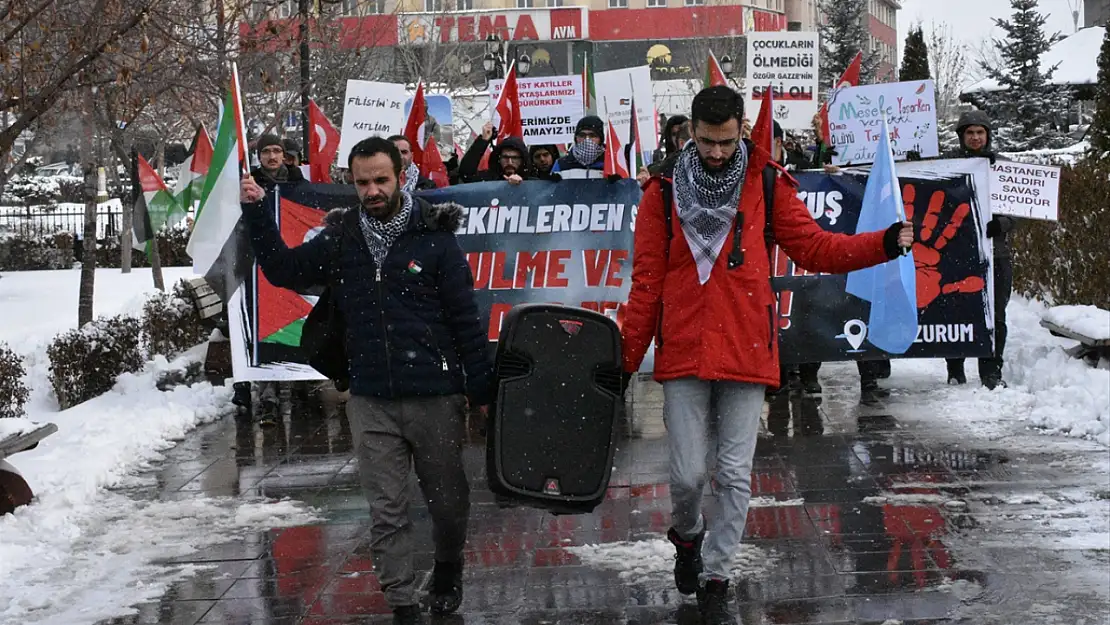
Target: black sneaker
811,387
407,615
871,393
446,594
713,603
687,561
956,374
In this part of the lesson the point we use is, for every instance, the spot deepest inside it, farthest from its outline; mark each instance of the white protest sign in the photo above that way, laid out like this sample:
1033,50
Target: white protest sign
615,90
856,115
370,109
787,62
550,107
1022,190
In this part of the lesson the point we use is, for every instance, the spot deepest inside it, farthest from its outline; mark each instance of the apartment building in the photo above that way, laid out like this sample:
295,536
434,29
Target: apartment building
1096,12
882,26
672,36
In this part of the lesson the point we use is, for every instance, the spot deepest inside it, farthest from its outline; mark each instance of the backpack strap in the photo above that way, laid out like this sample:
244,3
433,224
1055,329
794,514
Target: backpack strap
770,177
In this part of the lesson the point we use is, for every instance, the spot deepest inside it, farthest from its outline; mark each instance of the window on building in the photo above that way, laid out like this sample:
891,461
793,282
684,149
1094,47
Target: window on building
287,8
465,5
693,3
554,3
524,4
656,3
618,4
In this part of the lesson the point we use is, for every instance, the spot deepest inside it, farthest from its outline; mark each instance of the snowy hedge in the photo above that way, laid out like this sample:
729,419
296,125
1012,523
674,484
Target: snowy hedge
13,392
171,324
1069,262
56,251
85,362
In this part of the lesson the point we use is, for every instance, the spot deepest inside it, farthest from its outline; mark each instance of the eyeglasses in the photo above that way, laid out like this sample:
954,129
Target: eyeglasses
514,158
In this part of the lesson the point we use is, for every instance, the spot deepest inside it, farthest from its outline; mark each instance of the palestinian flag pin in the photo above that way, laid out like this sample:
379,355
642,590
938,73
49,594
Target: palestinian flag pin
414,267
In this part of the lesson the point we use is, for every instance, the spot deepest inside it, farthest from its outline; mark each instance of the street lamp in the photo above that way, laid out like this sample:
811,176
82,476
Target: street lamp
726,65
465,66
524,65
489,63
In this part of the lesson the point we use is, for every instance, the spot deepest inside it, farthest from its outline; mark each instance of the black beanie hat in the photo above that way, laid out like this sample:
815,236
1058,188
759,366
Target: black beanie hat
591,122
267,140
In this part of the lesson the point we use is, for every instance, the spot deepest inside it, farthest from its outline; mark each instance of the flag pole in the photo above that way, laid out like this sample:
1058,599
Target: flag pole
240,123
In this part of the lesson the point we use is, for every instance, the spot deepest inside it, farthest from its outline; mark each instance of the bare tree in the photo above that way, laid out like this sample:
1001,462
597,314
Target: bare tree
948,60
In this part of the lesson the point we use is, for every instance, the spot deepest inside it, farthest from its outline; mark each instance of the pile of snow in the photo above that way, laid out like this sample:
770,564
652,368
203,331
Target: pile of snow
1090,321
81,552
1061,156
1049,391
651,562
1075,59
15,427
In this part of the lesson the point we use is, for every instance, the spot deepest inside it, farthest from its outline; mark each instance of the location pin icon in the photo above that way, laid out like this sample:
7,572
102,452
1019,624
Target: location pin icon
855,331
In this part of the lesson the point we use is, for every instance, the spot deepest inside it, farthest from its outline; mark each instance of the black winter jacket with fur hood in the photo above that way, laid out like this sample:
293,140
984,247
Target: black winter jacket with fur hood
413,326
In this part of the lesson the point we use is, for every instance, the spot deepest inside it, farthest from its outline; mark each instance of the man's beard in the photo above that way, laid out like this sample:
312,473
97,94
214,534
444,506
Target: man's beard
508,170
714,169
386,209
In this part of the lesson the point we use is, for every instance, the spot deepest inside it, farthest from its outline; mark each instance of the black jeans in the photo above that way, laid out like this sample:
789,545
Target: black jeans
991,368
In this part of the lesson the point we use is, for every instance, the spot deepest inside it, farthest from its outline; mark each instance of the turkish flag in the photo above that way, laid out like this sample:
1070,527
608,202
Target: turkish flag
414,127
323,144
613,166
508,108
850,78
432,166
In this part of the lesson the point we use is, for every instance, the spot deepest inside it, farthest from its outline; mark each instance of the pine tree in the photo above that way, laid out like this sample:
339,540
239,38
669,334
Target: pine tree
1025,107
915,57
1100,125
843,33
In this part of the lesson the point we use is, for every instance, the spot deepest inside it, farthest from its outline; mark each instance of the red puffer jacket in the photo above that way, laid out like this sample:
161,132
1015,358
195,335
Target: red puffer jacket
726,328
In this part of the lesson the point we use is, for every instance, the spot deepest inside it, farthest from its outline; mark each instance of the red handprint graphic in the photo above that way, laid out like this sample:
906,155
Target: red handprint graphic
927,255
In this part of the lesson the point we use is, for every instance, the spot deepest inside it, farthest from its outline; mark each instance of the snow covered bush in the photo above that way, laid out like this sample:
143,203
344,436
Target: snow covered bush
1069,262
171,324
13,392
36,253
85,362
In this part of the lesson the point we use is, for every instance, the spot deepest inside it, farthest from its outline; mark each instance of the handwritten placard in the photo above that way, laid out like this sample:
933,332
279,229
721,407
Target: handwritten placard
786,62
1021,190
856,114
370,109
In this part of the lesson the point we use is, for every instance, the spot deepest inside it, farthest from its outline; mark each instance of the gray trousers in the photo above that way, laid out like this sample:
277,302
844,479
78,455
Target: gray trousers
392,437
690,406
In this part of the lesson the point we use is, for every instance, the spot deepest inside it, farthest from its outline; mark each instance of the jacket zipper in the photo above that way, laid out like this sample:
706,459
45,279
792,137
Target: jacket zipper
435,346
385,328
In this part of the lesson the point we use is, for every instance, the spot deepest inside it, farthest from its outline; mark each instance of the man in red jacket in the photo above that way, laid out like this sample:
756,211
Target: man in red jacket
701,288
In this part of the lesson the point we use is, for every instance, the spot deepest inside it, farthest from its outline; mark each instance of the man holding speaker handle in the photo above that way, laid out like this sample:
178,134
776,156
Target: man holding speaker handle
701,289
416,349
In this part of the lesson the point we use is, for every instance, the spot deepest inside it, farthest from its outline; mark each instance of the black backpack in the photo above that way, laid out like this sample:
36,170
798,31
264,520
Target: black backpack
736,254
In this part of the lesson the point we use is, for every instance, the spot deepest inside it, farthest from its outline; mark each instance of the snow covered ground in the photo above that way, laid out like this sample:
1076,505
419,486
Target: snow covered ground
83,552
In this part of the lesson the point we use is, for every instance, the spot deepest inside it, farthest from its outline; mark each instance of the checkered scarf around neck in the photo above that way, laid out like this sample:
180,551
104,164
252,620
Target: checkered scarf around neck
412,176
379,234
707,203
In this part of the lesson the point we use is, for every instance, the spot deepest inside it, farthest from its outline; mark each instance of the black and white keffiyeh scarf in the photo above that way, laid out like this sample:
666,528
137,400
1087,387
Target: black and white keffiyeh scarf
380,235
707,203
412,176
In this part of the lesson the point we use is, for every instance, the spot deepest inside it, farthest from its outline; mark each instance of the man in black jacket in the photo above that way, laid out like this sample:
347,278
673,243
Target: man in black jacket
271,163
508,160
413,181
974,130
417,349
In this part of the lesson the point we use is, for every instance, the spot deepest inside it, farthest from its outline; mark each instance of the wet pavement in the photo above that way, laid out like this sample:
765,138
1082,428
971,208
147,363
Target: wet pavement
857,519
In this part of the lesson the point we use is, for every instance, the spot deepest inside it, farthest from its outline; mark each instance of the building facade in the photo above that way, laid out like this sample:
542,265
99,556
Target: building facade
882,28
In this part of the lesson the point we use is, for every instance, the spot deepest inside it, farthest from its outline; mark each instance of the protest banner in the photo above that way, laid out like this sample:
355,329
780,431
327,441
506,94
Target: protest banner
550,106
788,63
855,115
615,90
571,243
1022,190
370,109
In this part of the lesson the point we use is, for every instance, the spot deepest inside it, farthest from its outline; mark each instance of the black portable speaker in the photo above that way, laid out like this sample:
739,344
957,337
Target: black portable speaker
550,438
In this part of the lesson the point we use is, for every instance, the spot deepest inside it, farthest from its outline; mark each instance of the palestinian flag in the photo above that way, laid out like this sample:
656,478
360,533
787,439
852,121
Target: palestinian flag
219,210
274,317
589,93
190,182
153,206
635,147
714,75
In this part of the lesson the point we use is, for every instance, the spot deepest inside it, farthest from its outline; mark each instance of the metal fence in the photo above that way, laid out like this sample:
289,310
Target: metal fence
40,221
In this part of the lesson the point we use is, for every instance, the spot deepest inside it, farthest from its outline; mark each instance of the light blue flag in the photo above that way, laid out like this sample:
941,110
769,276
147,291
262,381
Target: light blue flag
891,287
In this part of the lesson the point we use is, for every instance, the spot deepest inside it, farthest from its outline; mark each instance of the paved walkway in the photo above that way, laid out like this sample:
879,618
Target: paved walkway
858,519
